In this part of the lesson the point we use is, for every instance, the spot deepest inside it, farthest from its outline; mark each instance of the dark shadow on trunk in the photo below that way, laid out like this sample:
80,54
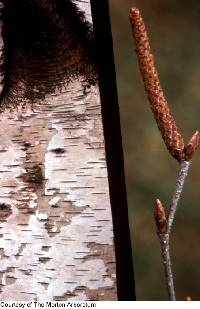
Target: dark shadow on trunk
46,44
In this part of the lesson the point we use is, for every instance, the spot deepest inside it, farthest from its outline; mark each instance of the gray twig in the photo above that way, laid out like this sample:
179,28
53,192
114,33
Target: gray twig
182,174
165,249
164,236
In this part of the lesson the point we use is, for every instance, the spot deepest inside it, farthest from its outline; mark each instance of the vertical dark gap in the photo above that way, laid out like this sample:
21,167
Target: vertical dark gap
114,151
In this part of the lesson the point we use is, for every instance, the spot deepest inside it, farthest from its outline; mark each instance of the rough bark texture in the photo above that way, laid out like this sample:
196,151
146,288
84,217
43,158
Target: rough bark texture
56,238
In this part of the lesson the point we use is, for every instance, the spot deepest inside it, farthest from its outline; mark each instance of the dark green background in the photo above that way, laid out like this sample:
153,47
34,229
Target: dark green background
174,33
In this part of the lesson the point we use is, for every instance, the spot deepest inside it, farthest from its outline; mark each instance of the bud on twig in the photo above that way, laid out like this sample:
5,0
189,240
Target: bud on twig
160,217
164,119
192,146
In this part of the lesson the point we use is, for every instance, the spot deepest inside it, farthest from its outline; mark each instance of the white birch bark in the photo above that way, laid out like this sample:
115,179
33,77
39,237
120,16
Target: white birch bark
56,234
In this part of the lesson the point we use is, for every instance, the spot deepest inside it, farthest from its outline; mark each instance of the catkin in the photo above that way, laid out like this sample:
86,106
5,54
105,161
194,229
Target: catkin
159,106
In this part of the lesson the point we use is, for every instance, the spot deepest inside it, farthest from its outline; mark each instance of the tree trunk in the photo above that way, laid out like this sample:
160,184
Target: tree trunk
56,225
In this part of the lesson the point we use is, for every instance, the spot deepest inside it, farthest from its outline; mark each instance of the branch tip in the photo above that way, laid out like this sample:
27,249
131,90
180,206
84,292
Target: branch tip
134,12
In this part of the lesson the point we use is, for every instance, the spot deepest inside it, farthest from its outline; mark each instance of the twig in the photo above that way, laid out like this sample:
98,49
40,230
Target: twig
164,226
182,174
165,249
184,166
165,238
163,235
171,136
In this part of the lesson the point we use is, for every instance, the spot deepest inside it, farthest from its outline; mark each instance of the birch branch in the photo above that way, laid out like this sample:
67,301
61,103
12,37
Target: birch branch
171,136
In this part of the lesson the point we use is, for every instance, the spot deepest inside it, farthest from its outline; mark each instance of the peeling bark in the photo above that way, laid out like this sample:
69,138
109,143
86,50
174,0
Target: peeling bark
56,233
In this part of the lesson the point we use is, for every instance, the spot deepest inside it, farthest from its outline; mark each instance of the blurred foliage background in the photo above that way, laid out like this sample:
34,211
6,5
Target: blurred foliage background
174,32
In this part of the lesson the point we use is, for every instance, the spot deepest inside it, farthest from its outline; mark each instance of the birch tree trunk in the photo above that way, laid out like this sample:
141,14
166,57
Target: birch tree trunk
56,226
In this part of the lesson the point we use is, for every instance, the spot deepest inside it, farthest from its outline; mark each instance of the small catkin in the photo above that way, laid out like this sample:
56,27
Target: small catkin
192,146
160,217
164,118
